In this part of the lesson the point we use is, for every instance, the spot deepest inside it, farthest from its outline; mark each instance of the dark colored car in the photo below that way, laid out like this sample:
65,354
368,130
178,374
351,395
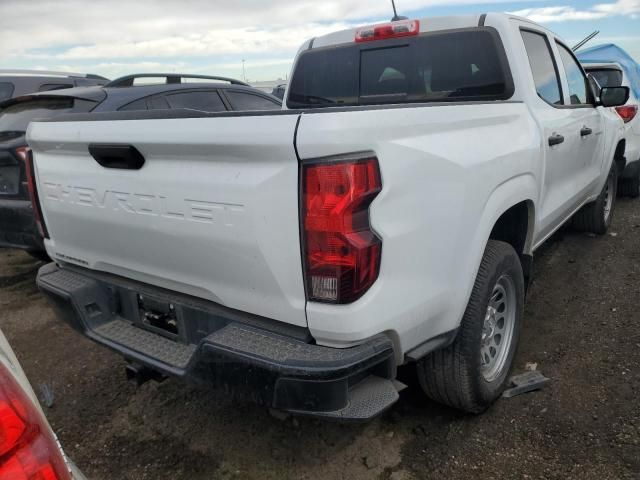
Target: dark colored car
279,90
211,94
15,83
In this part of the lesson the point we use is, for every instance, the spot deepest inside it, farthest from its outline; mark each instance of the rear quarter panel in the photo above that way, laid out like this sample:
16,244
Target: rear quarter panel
448,173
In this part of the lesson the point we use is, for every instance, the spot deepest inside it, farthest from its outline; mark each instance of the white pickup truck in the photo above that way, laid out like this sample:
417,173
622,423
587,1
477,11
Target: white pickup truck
387,215
612,75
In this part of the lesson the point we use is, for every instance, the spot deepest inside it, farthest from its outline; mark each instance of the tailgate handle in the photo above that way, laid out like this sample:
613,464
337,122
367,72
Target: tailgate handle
125,157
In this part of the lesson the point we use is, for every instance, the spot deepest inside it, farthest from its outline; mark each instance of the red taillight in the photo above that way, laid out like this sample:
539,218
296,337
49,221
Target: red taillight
403,28
627,112
28,449
341,251
33,194
23,153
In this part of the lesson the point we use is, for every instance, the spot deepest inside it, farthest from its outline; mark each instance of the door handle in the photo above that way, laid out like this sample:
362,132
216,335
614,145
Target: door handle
555,139
124,157
584,131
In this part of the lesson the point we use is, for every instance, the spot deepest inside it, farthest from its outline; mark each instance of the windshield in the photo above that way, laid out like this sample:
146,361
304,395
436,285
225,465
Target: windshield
455,65
16,117
607,77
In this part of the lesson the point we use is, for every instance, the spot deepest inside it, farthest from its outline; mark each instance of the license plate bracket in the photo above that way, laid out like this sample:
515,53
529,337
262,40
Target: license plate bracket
159,316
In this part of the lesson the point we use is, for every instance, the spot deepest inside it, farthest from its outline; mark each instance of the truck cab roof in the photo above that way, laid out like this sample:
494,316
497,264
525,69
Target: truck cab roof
427,24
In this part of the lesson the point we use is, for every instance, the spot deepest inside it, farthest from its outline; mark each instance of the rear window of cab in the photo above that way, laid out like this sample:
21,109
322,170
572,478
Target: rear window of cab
445,66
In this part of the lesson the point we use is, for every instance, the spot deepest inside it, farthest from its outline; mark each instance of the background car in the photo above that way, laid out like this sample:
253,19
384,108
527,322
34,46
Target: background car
159,91
28,447
14,83
611,66
134,92
279,90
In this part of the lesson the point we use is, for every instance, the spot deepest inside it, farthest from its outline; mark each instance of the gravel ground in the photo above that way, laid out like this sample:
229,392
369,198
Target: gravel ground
581,328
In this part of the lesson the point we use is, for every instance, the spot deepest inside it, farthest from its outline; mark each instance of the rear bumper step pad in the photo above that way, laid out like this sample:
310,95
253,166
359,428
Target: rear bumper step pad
277,370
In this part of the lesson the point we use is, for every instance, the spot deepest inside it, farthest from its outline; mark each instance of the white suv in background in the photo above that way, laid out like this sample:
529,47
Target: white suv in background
28,447
613,75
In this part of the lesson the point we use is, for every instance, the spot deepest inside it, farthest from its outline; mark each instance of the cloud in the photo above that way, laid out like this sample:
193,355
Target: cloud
232,69
567,13
76,29
621,7
236,41
558,14
113,37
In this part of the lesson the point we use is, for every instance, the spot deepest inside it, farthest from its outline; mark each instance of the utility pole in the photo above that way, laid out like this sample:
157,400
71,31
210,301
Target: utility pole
244,77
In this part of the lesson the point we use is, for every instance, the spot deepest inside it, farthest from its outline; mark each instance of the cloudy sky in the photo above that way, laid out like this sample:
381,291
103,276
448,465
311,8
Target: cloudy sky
115,37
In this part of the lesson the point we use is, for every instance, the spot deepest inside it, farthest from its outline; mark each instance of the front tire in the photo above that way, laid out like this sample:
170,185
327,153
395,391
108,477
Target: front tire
596,216
473,372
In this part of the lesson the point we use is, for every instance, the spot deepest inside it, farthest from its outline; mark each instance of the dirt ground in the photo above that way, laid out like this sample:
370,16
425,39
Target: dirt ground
581,328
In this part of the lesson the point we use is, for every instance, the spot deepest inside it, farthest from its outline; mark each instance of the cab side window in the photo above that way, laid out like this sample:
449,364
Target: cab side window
575,77
543,67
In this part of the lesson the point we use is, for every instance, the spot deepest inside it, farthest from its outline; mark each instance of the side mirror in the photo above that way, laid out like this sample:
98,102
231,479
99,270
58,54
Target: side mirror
614,96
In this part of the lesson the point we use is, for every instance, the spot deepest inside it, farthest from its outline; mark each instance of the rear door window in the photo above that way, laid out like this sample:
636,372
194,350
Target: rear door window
545,74
249,101
576,78
455,65
16,117
6,90
202,100
607,77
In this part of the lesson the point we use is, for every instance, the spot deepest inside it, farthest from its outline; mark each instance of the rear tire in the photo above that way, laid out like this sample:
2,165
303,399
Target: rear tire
468,375
629,187
596,216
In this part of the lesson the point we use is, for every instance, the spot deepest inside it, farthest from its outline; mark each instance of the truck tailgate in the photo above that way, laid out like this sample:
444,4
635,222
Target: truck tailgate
209,214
